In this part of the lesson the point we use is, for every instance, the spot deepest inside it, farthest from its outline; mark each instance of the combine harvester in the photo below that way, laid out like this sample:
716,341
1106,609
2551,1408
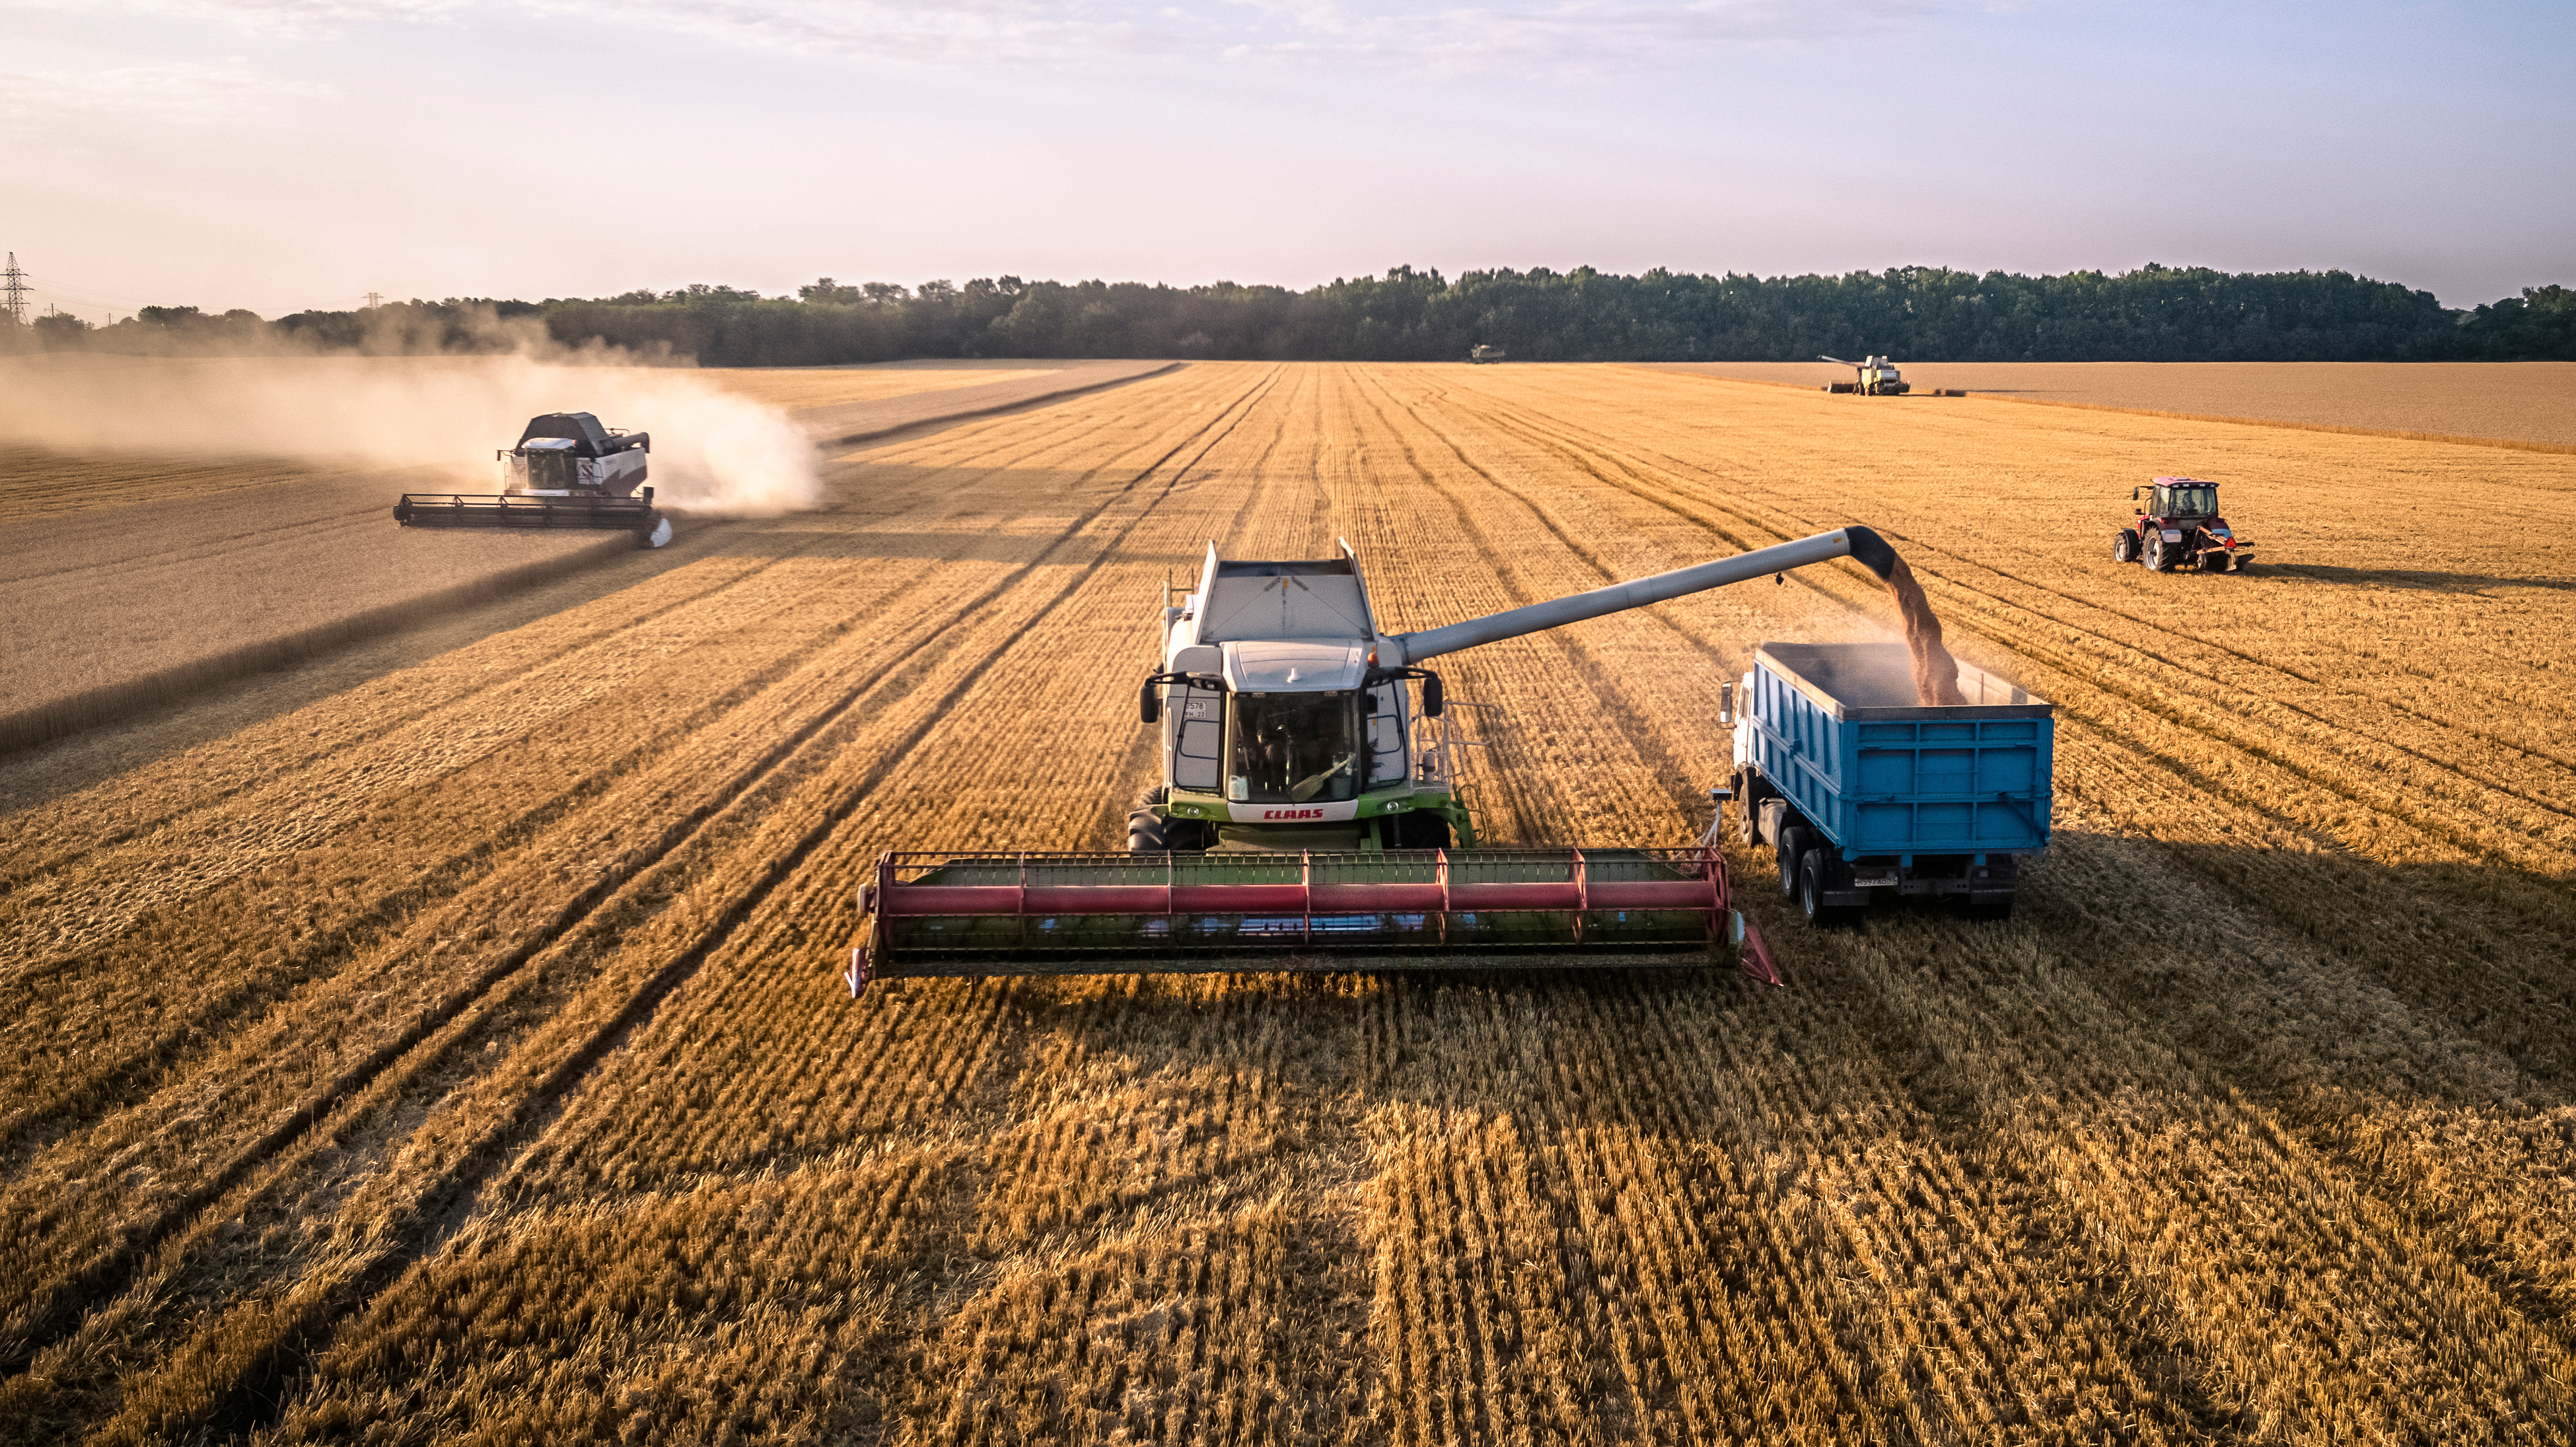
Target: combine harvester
566,472
1877,377
1312,814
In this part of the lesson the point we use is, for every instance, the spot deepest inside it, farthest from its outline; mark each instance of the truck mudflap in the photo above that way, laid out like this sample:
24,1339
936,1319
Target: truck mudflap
964,914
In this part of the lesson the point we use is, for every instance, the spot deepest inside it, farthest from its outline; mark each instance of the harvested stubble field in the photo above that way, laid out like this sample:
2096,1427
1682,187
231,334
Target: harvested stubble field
457,1052
131,578
2532,402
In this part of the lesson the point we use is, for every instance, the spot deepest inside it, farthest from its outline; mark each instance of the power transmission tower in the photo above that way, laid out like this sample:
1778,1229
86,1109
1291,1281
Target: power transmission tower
375,298
13,286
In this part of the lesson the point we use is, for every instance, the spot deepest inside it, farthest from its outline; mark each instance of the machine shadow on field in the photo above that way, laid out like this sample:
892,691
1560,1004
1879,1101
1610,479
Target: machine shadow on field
35,774
2405,578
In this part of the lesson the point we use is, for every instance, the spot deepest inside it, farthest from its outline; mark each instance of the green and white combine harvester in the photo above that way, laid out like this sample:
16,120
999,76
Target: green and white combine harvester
1312,813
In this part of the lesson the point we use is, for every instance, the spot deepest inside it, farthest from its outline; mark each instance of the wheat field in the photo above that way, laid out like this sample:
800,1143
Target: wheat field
457,1052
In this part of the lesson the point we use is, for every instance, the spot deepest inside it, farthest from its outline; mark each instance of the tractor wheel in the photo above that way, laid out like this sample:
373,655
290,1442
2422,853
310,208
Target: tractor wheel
1748,811
2160,558
1786,851
2124,546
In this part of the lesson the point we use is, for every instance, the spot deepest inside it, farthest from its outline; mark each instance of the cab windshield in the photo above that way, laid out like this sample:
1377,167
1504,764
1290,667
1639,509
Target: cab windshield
1295,748
2190,502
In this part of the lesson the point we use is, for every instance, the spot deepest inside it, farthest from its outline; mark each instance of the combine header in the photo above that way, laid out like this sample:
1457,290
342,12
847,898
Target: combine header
566,472
1312,814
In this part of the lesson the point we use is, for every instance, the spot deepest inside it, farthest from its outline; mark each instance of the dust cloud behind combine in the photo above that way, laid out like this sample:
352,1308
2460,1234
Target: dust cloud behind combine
713,452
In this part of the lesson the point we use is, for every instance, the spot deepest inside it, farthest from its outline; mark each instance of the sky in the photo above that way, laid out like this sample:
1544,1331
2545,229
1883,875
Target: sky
281,155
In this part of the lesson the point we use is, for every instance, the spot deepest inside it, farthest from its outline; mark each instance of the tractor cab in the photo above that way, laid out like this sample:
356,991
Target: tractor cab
2177,497
2177,521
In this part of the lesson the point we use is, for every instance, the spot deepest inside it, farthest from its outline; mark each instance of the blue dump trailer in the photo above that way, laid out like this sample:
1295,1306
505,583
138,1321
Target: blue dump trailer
1866,795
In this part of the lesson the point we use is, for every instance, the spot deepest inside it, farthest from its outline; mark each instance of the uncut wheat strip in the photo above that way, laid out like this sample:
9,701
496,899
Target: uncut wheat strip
479,1118
596,843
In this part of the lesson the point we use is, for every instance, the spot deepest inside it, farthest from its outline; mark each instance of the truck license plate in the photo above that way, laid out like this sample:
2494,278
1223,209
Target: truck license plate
1874,881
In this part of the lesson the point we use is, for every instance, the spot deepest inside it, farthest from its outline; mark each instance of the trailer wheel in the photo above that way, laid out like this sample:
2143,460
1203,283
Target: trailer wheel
2124,546
1811,892
1788,849
1748,806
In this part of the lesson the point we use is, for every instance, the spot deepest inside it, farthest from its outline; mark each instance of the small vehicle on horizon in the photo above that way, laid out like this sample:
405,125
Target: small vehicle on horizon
2178,522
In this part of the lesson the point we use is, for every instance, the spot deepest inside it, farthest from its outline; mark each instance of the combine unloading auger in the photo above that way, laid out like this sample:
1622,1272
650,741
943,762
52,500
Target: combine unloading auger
1314,813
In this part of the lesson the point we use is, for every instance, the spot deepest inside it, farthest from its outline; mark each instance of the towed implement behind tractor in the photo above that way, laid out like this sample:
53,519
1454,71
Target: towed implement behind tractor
566,472
1313,812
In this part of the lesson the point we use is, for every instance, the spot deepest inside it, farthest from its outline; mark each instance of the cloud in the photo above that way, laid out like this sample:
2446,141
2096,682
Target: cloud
183,93
299,17
1563,39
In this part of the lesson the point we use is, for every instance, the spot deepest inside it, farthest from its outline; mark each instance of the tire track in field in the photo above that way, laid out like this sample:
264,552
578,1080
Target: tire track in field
251,1401
2504,1281
2539,907
1568,445
93,1089
28,857
1996,1259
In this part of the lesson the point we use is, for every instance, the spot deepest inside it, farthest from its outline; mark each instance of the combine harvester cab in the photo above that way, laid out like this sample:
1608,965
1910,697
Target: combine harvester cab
1865,794
1312,813
566,472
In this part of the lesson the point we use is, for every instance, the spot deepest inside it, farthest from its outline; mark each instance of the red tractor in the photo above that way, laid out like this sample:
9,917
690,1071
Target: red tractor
2180,524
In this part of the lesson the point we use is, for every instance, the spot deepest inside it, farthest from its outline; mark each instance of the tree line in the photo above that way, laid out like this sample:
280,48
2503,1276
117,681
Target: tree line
2151,314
